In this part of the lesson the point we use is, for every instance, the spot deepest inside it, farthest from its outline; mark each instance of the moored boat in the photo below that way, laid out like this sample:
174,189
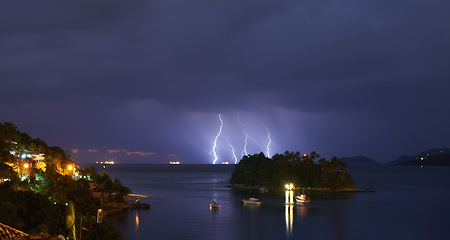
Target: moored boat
252,201
302,198
213,205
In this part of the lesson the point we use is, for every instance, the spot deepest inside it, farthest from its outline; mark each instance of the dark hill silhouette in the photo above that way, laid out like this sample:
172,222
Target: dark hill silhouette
428,154
435,160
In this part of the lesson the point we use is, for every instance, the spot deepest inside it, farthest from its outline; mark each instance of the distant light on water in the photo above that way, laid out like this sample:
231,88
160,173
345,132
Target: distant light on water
106,162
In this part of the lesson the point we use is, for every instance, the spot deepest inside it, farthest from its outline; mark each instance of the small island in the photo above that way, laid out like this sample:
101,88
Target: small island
306,171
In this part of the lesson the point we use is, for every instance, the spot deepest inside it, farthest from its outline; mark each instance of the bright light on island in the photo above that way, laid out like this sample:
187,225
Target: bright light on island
289,187
174,163
225,163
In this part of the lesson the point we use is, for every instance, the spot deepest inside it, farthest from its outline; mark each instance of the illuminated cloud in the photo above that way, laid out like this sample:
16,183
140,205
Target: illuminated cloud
74,151
110,151
92,150
142,153
116,151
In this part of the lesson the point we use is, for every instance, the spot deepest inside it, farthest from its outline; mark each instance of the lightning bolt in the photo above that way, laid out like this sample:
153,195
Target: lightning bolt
270,140
215,140
244,152
232,149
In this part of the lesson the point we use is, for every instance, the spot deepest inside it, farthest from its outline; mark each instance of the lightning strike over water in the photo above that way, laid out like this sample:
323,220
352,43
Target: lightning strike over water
270,140
232,150
248,146
244,152
215,140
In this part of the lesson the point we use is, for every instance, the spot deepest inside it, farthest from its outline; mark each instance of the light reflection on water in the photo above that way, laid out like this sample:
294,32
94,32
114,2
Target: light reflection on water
289,217
137,221
302,210
289,211
406,205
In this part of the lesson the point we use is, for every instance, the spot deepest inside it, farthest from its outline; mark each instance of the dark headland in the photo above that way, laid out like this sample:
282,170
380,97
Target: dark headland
431,157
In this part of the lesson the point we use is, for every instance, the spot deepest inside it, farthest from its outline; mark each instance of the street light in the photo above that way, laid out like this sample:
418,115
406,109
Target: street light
99,215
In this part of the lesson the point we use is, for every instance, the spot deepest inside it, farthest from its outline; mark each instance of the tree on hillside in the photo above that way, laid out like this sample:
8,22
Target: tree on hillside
7,134
7,172
16,142
31,212
57,159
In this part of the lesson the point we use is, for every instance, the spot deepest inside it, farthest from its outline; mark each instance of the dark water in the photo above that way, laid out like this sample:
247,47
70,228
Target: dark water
409,203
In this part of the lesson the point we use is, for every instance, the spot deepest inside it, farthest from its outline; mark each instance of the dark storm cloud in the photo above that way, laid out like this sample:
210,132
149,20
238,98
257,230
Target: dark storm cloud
44,17
102,63
227,49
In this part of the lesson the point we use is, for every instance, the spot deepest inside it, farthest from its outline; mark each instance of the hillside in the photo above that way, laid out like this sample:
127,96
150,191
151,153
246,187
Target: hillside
42,190
436,160
425,154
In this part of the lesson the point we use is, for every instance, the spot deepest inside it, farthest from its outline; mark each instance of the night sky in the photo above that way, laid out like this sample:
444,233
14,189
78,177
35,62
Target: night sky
145,81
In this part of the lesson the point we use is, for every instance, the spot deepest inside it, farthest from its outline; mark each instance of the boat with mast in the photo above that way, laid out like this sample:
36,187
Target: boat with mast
213,204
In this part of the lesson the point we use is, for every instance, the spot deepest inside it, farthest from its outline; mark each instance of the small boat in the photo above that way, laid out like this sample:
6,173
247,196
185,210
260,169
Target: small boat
213,205
302,198
252,201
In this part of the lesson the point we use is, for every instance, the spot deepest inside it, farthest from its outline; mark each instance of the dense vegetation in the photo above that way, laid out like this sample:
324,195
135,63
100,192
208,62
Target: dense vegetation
46,200
291,167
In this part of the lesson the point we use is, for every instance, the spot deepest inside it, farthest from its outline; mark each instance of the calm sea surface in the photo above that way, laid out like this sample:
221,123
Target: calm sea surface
409,203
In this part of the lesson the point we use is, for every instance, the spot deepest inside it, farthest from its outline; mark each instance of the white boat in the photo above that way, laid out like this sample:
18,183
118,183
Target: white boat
214,205
302,198
253,201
